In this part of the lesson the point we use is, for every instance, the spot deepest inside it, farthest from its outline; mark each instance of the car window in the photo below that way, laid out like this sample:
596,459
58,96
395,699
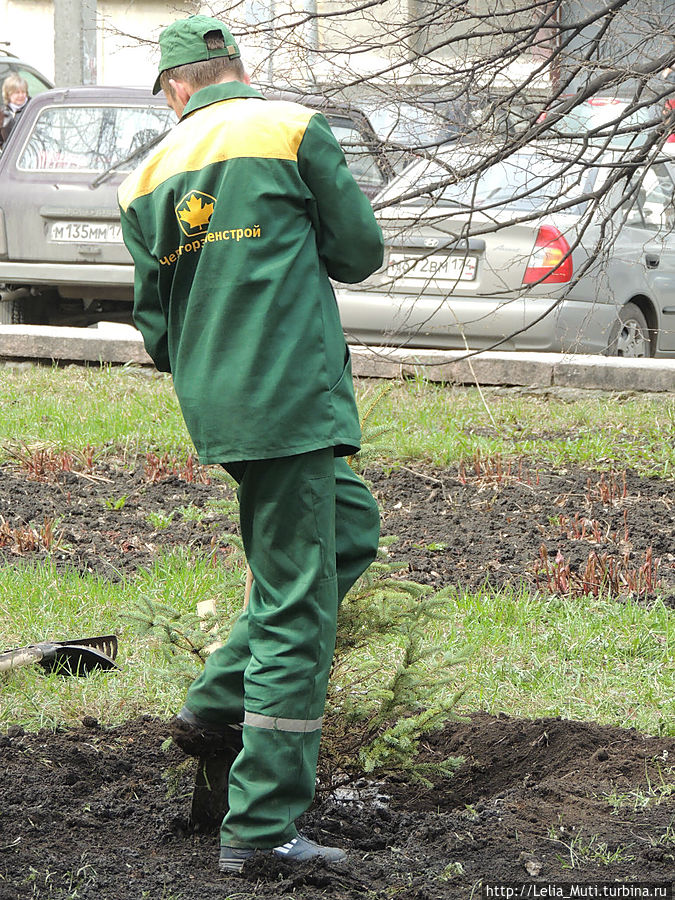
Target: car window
409,124
36,85
653,206
607,116
523,181
360,158
91,138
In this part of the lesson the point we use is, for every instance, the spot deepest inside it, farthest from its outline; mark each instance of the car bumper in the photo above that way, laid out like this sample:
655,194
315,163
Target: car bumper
519,323
57,274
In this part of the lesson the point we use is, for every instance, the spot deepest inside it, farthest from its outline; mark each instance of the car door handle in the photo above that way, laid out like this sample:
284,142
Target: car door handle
652,260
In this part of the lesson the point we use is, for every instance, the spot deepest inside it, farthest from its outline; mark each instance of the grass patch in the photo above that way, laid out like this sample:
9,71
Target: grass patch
447,424
37,603
129,411
125,410
592,659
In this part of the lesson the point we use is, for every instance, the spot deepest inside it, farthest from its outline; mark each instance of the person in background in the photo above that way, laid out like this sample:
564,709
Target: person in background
14,100
236,224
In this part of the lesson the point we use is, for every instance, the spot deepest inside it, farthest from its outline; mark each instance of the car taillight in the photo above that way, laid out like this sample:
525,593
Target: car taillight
550,261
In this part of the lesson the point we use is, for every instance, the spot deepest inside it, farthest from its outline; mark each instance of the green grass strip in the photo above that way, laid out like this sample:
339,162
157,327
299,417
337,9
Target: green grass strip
585,659
127,410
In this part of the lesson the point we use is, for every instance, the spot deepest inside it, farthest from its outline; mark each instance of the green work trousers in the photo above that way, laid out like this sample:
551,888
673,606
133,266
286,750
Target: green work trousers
310,527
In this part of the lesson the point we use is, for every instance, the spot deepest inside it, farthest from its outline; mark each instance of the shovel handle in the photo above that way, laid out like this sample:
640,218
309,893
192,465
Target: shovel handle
24,656
249,585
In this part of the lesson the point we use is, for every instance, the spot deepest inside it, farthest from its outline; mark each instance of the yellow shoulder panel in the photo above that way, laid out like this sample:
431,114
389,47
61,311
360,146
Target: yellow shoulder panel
230,129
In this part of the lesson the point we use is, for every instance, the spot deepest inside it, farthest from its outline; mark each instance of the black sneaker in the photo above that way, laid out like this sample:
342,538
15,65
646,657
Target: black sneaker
200,738
298,849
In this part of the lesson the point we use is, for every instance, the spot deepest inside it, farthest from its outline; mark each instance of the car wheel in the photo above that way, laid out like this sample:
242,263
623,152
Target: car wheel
629,336
21,309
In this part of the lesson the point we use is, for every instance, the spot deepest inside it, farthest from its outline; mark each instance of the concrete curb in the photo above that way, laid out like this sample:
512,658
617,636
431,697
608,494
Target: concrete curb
119,344
116,345
522,368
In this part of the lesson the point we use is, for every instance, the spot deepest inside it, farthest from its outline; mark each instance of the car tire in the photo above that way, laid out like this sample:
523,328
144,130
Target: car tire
22,309
630,336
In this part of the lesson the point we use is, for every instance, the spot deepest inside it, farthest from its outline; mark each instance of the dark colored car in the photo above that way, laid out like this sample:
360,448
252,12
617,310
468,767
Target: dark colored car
62,259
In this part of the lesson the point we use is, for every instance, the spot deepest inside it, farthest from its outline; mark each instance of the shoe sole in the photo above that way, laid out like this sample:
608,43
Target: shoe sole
233,868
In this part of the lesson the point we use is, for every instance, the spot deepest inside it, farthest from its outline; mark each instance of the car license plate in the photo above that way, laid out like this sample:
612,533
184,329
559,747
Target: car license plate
87,232
435,267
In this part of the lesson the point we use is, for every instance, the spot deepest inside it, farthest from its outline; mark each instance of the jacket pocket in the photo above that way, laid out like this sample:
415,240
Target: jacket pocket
346,374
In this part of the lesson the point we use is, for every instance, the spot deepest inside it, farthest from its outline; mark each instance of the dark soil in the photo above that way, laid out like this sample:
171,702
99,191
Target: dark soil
488,523
103,812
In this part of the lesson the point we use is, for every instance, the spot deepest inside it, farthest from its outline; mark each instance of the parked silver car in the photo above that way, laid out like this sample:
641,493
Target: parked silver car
552,248
62,259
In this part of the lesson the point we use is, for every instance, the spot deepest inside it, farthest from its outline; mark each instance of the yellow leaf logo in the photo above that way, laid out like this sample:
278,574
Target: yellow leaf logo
194,212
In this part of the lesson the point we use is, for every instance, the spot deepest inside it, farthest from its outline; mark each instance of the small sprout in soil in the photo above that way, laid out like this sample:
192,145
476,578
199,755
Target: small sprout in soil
609,490
40,462
665,839
29,539
160,520
434,548
116,503
451,871
601,575
158,468
654,793
582,850
192,513
494,471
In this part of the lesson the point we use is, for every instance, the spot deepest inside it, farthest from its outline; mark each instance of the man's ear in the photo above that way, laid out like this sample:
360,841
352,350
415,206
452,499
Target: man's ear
247,79
181,91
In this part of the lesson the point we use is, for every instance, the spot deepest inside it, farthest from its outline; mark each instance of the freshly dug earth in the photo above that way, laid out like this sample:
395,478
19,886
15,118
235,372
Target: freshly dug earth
100,812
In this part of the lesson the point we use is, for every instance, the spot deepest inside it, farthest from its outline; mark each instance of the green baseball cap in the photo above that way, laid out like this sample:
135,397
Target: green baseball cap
183,42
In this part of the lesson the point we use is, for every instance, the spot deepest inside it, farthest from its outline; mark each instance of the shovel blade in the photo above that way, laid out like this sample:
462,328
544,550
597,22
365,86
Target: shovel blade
73,659
209,797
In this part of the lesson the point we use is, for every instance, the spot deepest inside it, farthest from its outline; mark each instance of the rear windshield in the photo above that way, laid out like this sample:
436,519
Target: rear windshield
524,181
410,125
91,138
608,121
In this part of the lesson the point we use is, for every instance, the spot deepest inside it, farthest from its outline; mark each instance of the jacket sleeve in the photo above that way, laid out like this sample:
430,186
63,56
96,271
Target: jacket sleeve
148,313
349,238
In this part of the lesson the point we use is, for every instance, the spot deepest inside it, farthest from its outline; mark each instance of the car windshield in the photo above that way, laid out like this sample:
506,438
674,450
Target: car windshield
91,138
524,181
606,117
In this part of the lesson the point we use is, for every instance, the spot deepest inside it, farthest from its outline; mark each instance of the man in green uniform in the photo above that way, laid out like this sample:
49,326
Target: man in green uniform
236,222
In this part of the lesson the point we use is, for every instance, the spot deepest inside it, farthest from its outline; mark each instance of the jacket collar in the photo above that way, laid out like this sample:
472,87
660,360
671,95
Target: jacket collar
228,90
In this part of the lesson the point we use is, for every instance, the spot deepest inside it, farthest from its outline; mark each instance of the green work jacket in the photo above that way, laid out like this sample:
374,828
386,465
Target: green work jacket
235,223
